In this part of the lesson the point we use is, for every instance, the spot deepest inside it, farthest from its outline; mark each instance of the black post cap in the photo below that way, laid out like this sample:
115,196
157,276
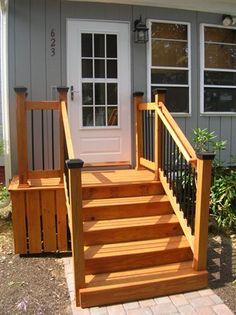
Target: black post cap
62,89
206,155
138,94
20,89
74,163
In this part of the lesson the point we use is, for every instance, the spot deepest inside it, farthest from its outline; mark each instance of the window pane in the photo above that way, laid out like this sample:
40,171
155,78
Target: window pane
99,68
87,68
176,99
169,31
111,46
220,56
220,78
112,69
87,94
222,35
220,100
86,43
163,76
112,94
169,53
112,116
87,116
99,93
99,45
100,116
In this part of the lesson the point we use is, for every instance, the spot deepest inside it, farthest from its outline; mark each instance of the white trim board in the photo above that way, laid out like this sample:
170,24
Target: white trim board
212,6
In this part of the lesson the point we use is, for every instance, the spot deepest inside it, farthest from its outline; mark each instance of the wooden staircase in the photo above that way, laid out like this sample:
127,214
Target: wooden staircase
134,247
131,237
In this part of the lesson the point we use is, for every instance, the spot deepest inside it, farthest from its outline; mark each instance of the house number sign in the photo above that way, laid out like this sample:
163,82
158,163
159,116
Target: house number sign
53,42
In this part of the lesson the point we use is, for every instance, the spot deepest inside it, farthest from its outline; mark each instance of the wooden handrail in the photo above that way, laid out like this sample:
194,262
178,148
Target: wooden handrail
198,172
67,132
177,130
42,105
177,139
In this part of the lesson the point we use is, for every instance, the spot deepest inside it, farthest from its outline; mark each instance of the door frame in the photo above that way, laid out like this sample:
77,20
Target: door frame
129,97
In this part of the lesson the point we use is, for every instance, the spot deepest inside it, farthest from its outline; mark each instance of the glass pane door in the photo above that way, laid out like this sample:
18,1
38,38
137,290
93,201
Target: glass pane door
100,88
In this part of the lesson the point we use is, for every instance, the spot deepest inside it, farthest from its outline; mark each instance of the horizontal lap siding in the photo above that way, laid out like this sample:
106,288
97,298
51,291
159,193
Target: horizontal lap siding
31,63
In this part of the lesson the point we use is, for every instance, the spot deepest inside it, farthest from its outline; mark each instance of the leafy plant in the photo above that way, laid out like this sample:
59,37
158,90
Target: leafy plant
223,200
223,188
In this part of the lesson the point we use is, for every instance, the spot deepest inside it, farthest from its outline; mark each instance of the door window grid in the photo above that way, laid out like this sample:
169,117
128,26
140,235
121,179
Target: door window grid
170,74
218,76
104,114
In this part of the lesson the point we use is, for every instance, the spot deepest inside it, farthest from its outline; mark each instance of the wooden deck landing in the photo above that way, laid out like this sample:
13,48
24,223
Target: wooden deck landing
110,177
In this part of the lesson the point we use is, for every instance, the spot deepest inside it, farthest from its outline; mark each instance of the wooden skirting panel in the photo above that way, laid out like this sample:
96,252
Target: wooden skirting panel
39,221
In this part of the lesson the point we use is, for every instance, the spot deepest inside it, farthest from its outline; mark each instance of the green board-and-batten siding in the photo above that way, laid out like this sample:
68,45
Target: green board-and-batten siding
32,63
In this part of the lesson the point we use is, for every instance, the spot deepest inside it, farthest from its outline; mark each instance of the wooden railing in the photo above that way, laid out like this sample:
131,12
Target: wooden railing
69,170
185,175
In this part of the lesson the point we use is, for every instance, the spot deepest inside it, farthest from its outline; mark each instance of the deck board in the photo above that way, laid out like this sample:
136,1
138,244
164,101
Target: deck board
111,177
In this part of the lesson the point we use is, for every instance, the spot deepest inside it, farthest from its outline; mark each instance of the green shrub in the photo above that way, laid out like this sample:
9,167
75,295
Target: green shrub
223,188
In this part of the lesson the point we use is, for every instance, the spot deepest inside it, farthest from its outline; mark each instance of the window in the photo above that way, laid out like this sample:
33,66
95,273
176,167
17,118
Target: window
169,63
218,69
99,64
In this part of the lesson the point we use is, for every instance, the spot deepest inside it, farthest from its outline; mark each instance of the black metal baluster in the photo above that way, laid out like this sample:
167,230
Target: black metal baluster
53,153
174,169
32,139
43,162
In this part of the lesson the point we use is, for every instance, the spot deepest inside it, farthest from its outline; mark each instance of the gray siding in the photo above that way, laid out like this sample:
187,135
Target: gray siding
31,63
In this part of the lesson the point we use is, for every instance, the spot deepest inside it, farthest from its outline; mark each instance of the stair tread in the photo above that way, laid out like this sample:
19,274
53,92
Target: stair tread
124,201
140,276
135,247
90,226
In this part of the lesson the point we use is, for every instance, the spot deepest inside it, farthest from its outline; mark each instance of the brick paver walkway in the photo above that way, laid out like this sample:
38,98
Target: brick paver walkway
204,302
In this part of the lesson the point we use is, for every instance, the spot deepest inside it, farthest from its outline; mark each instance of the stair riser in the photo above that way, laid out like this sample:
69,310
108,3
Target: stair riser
140,291
116,191
127,211
135,261
135,233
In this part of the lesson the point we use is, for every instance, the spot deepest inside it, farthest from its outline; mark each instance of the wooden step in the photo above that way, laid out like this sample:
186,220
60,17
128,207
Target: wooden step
126,207
122,190
139,254
131,229
142,283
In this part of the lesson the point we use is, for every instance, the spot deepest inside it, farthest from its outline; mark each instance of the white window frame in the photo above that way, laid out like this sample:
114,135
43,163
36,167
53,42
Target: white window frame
203,69
188,69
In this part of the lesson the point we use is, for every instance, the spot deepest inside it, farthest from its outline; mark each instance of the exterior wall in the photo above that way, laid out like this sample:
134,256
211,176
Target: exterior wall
31,64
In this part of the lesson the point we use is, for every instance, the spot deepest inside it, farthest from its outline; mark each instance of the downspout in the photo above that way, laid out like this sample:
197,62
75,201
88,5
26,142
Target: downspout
5,89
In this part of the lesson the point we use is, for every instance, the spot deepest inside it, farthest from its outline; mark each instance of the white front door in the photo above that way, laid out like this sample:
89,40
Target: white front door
99,104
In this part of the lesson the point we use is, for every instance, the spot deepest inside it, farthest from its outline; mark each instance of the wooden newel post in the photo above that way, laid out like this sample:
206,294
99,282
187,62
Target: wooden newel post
77,235
21,129
138,98
204,166
62,97
160,95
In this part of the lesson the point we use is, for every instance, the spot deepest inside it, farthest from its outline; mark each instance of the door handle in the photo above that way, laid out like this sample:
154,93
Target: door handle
72,91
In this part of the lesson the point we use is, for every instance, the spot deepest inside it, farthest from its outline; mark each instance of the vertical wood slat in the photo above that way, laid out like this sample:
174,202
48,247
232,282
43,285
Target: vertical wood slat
61,220
138,96
62,97
19,222
77,235
33,221
21,126
49,222
204,166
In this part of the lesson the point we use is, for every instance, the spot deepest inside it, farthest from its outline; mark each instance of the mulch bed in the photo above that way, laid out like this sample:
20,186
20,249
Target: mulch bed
30,285
37,285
